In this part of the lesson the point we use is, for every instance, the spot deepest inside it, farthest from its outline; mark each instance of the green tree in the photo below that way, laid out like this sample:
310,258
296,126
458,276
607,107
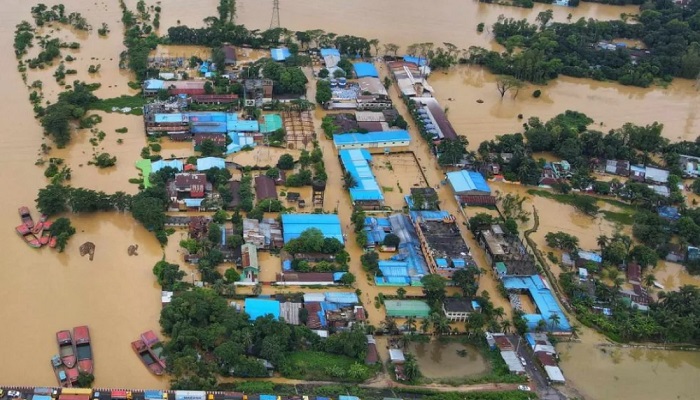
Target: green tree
410,368
645,256
167,274
232,275
434,290
149,211
63,230
391,240
401,293
52,199
347,279
285,162
85,380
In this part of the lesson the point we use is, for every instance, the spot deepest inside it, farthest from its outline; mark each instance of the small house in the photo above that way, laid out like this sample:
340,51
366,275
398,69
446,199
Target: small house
265,188
656,175
458,309
638,173
189,185
617,167
634,273
230,54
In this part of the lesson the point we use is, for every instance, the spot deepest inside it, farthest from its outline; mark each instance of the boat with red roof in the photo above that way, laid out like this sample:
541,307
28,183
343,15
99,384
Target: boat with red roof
28,236
83,348
147,358
66,348
26,217
154,346
67,377
45,234
39,226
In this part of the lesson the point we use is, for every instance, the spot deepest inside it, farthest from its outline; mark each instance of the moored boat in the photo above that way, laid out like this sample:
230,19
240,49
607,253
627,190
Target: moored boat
28,236
53,241
83,348
66,348
39,226
154,346
26,217
146,357
45,234
67,377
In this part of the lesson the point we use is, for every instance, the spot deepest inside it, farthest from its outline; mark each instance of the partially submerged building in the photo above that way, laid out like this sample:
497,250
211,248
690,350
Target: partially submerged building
458,309
262,307
265,188
408,266
366,192
505,252
294,224
548,310
434,119
265,234
381,141
441,242
470,188
407,308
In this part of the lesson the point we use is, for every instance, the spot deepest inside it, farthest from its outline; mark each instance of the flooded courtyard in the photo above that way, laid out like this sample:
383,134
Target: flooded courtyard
448,359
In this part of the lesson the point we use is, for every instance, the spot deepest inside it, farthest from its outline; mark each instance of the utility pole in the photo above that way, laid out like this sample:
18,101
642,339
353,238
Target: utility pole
275,21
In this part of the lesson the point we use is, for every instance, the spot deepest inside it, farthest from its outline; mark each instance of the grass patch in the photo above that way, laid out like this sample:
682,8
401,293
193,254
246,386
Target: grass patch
625,216
135,102
319,366
145,166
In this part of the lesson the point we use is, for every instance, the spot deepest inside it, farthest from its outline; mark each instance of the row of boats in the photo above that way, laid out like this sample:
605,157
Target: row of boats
75,354
35,234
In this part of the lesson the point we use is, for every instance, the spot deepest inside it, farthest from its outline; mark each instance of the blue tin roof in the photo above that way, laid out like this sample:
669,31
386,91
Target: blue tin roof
256,308
544,300
208,127
349,139
160,164
355,162
415,60
294,224
208,116
330,52
280,54
465,181
363,69
341,297
206,163
193,202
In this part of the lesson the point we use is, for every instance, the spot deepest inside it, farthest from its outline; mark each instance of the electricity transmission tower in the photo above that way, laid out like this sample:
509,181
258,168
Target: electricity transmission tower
275,21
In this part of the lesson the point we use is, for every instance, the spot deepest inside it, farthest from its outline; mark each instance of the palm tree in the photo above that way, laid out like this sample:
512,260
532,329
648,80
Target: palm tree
499,312
649,280
554,319
617,283
389,325
405,340
613,273
505,325
257,289
602,242
375,43
541,326
410,368
425,325
411,324
575,331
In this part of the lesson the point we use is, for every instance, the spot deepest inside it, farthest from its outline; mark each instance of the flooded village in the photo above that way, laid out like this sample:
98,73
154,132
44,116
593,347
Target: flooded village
331,192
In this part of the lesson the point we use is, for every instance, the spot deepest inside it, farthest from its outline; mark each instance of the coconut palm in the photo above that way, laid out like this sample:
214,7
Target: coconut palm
505,325
617,283
411,324
389,325
649,280
554,319
257,289
602,242
575,331
375,43
425,325
499,312
410,368
541,326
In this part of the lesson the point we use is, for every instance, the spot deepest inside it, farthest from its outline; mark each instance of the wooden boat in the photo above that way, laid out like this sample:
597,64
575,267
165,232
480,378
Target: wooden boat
83,348
53,241
26,217
154,346
66,348
67,377
45,234
39,226
28,236
146,357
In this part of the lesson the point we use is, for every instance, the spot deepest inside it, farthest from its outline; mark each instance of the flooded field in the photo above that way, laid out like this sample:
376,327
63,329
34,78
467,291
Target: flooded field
439,360
397,174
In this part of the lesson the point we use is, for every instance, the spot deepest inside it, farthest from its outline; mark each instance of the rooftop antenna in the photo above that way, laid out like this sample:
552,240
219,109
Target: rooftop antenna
275,21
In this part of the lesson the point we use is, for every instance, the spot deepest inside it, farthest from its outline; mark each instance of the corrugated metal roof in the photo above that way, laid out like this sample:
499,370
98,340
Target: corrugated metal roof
243,126
554,373
206,163
366,139
341,297
415,60
208,127
466,181
363,69
160,164
398,308
355,163
544,299
192,203
294,224
512,360
154,84
314,297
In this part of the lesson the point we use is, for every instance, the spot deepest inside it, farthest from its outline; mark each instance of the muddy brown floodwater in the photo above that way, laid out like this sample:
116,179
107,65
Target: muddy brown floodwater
117,296
443,360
